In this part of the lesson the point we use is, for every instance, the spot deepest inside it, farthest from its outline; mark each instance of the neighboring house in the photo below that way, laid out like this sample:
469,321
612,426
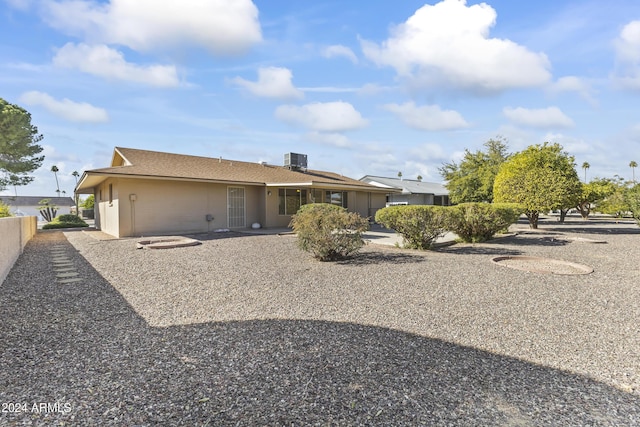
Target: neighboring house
409,191
150,193
29,205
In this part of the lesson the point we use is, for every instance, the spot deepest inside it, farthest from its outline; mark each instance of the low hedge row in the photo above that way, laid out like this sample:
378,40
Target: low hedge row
65,221
420,225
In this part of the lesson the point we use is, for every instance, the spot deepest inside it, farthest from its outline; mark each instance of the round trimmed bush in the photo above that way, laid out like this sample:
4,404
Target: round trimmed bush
329,232
478,222
419,225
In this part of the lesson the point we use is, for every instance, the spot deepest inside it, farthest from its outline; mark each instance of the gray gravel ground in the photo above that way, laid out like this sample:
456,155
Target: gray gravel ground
248,330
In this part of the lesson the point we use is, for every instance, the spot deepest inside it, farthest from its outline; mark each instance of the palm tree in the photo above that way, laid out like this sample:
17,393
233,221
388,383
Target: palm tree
55,170
419,177
75,175
585,166
633,165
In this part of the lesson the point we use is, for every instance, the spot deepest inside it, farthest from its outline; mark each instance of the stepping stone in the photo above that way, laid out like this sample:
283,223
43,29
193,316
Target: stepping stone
65,275
65,269
73,280
63,265
60,258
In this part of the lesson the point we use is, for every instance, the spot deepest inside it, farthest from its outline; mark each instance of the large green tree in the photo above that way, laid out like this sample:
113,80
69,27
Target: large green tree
632,198
593,193
541,178
616,203
19,147
472,179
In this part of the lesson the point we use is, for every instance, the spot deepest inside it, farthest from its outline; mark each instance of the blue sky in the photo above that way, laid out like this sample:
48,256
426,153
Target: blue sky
372,87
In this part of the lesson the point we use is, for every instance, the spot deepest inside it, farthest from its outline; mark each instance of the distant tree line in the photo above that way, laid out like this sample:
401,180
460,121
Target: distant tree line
541,178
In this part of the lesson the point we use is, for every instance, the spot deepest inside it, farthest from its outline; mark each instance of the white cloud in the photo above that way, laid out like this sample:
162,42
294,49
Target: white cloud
551,117
335,116
627,71
67,109
372,89
20,4
337,50
448,43
103,61
628,43
574,84
428,151
570,144
221,26
428,172
273,82
333,139
330,89
427,117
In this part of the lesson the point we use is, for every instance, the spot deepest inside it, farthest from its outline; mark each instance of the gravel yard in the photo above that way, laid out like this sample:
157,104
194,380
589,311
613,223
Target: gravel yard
249,330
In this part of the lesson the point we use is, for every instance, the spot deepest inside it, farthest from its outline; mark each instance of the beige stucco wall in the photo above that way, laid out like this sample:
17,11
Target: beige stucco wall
367,204
107,217
273,217
144,207
15,232
378,201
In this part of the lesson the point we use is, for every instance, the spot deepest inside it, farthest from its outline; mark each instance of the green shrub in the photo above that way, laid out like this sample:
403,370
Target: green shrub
4,211
89,202
478,222
70,218
632,197
327,231
419,225
65,221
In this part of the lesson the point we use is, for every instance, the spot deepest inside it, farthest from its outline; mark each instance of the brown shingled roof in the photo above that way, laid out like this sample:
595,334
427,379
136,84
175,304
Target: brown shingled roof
132,162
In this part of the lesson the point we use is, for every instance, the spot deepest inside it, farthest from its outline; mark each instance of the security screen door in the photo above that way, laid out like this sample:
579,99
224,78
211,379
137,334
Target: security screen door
235,203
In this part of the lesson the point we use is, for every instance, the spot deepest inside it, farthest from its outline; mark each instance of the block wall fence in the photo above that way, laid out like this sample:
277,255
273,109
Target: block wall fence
15,232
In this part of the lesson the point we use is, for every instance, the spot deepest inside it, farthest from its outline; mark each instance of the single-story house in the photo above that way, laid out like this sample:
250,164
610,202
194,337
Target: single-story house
153,193
30,205
409,191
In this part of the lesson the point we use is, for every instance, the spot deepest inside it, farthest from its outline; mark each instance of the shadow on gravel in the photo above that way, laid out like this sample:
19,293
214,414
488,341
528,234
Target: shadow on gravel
369,258
591,226
84,345
599,230
503,245
531,241
478,249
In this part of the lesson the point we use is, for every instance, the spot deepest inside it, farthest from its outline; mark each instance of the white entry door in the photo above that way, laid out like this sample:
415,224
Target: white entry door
235,204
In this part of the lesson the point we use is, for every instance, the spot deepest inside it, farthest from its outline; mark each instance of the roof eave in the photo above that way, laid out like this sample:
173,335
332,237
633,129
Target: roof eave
87,183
